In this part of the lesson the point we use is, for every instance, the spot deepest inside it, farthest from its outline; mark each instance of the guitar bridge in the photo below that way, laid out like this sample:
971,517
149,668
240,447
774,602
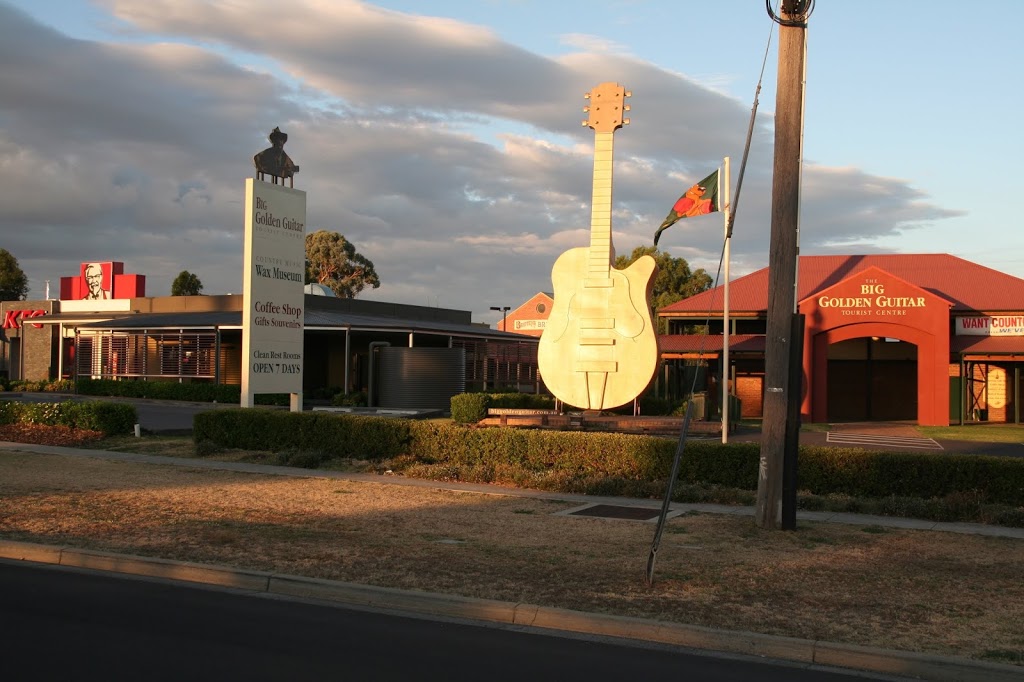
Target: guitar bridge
596,366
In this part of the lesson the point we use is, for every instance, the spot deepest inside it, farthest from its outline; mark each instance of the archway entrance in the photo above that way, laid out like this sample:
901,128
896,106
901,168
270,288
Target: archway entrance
872,379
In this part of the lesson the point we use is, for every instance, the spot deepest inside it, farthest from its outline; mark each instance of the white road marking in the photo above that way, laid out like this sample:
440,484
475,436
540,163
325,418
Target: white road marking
844,438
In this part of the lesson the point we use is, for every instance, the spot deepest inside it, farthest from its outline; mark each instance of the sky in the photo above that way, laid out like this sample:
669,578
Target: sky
444,138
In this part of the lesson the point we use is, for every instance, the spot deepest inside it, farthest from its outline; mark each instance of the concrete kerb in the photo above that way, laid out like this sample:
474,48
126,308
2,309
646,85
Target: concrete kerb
789,649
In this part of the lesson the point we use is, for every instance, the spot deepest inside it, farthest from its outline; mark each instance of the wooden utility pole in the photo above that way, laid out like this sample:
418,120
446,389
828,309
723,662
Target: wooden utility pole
783,253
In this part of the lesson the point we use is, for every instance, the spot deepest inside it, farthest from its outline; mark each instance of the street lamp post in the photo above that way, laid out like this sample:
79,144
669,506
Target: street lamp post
504,350
503,309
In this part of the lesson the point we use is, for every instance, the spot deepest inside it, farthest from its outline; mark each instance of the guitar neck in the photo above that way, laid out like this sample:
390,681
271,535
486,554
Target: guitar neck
601,206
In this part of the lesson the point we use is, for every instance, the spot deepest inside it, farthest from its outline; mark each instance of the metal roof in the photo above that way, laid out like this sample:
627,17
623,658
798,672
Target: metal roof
315,320
968,286
987,345
196,320
755,343
71,318
710,343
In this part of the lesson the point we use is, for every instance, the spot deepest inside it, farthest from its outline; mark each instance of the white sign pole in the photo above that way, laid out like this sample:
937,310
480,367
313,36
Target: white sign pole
726,212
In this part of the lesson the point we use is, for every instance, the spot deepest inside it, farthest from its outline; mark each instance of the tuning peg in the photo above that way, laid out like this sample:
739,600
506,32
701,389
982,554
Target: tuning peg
625,107
583,123
625,121
629,93
586,110
586,95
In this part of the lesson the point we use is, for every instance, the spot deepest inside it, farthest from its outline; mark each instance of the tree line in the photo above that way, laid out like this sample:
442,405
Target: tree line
331,260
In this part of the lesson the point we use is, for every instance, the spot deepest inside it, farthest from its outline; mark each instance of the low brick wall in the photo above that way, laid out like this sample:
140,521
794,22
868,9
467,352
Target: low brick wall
613,423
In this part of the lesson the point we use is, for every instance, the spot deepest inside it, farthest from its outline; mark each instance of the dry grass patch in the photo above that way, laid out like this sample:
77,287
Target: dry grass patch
912,590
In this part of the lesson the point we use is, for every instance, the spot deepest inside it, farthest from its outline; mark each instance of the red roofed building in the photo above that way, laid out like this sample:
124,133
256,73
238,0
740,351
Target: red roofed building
531,317
931,338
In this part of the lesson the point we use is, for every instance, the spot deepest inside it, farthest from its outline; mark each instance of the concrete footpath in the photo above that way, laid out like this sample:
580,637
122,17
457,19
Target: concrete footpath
795,651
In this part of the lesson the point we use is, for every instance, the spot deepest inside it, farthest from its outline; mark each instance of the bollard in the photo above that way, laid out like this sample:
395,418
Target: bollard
138,431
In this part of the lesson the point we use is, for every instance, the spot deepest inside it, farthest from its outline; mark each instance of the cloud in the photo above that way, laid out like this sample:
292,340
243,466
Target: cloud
453,160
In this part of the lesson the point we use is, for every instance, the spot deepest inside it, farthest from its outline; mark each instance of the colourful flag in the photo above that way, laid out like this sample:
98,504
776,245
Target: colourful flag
700,199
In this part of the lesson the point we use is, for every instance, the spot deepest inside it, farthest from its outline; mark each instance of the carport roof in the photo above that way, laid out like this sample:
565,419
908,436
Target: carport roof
989,345
315,320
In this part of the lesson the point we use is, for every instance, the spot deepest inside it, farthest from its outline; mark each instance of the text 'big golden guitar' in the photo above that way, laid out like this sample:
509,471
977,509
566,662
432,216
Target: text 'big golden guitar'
599,349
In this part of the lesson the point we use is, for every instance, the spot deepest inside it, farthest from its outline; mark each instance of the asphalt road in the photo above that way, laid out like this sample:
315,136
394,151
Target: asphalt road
60,624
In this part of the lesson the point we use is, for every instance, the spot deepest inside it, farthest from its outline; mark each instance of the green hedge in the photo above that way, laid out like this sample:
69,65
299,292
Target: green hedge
109,418
337,435
883,474
621,455
199,391
42,386
525,401
470,408
821,471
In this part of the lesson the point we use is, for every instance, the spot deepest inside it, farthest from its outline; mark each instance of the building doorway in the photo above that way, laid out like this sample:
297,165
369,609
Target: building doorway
872,379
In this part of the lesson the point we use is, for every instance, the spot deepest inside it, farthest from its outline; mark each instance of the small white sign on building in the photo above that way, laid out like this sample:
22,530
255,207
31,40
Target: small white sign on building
992,325
272,318
529,325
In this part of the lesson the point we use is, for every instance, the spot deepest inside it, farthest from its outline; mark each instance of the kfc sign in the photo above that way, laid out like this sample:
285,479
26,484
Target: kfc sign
11,318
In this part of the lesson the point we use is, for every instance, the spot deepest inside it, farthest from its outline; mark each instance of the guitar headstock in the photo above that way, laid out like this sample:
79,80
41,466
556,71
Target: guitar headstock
607,103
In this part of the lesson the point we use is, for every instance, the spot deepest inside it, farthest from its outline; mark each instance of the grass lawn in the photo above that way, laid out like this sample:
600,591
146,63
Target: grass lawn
982,433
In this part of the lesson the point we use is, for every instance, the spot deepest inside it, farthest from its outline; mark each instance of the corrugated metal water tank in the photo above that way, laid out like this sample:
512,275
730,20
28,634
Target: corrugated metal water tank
420,377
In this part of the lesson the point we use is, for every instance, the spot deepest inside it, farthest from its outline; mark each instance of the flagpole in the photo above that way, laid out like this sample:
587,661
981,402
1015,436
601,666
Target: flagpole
727,210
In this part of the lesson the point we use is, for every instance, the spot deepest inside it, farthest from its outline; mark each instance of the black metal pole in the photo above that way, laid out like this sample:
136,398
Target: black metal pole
791,449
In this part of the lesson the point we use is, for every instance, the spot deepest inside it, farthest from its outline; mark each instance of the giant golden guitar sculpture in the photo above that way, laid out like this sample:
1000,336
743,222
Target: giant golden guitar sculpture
599,349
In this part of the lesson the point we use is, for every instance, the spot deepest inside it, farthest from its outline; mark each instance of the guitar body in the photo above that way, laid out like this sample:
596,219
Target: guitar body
599,349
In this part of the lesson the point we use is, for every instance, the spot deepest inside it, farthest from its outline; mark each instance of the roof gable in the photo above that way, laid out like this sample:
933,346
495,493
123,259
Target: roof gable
530,305
874,273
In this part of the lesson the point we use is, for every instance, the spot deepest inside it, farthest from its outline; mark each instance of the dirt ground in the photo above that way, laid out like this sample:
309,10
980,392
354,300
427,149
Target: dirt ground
944,593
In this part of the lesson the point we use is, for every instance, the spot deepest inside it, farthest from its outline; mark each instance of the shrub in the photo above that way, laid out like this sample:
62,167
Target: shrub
653,406
350,400
864,473
199,392
106,417
939,487
336,435
109,418
469,408
41,386
527,401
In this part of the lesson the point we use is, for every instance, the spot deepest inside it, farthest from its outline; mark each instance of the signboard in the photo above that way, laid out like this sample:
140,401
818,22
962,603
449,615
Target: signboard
99,282
272,317
529,325
994,325
11,318
871,299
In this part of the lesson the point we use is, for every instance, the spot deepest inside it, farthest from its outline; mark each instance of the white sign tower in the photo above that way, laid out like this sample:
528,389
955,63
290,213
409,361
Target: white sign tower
274,262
